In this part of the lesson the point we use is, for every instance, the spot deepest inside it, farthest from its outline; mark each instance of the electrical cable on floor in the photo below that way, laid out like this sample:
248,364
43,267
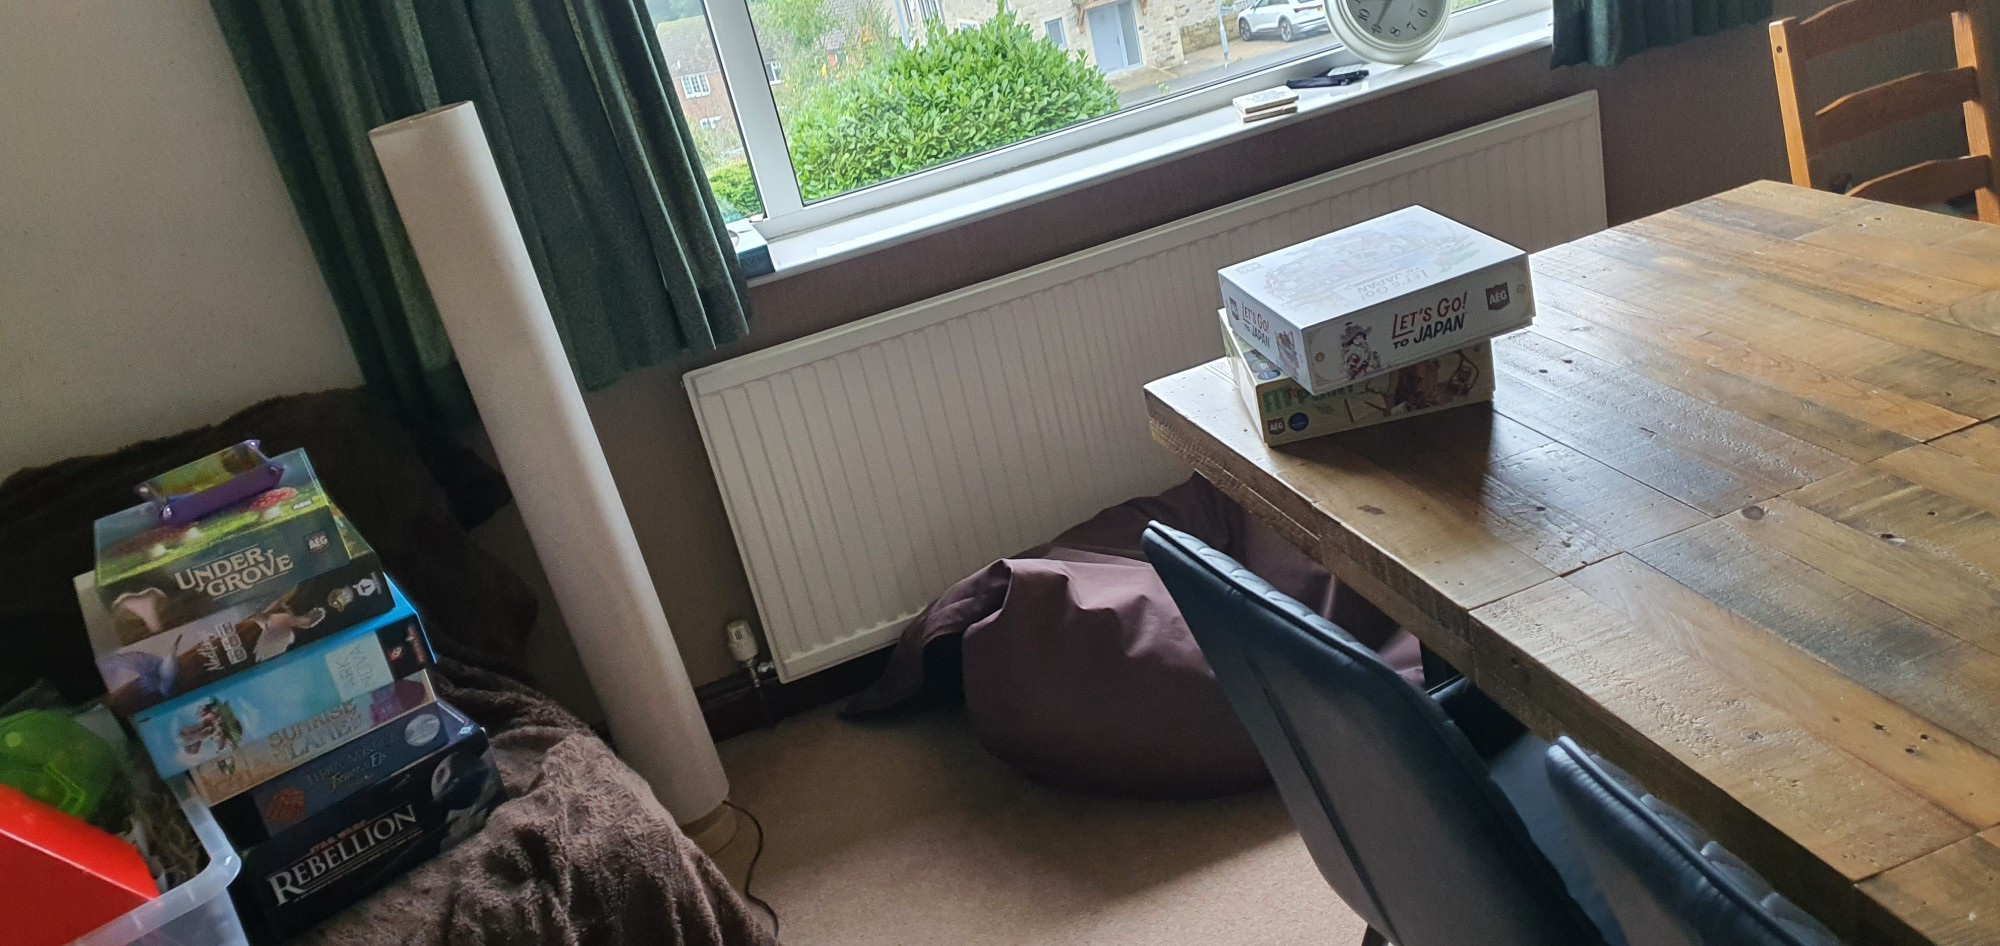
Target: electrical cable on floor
750,873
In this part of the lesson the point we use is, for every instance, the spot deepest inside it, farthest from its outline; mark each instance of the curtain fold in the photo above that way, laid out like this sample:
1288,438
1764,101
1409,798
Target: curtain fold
598,162
1606,32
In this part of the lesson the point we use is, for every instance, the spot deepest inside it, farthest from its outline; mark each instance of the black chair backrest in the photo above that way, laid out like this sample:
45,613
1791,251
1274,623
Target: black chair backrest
1394,805
1666,881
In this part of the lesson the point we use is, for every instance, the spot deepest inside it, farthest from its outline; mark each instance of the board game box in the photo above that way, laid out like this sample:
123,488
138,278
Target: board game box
1285,412
153,577
332,859
219,780
292,796
215,721
1361,302
274,621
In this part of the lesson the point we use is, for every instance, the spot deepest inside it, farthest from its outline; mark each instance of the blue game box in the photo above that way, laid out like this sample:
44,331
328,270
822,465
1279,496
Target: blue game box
214,721
291,797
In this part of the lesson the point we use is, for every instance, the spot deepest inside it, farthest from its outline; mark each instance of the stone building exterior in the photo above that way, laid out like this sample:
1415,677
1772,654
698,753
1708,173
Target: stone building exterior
697,75
1113,35
1122,38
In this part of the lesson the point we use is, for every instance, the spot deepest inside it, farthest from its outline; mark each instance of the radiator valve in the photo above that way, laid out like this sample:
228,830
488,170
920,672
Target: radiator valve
742,643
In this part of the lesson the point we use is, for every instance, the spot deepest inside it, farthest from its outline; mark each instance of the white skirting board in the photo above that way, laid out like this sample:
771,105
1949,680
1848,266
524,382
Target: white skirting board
447,188
868,467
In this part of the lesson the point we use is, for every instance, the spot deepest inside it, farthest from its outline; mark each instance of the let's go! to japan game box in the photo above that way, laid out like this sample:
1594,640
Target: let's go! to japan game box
1361,302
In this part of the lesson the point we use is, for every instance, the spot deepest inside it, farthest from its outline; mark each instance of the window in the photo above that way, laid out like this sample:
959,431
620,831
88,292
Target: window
1094,70
711,123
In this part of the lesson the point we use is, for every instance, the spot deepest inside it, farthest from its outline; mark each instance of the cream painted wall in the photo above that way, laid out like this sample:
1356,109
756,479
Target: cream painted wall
152,273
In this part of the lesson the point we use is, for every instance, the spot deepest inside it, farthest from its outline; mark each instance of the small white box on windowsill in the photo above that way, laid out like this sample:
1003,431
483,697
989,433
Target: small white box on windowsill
1363,301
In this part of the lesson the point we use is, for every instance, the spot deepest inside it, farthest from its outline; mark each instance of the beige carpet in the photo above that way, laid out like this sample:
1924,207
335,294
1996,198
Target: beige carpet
907,832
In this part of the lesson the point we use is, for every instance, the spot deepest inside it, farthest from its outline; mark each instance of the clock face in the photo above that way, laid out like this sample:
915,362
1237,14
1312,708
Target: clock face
1391,31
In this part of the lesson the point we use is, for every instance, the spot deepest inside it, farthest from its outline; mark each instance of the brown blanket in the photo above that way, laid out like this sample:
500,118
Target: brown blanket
580,855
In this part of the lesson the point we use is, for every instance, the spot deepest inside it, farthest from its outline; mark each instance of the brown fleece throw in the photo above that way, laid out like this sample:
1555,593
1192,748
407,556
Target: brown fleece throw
580,855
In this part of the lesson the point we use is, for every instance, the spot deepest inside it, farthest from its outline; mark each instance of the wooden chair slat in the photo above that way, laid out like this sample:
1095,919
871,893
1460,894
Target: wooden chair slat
1932,182
1898,100
1858,21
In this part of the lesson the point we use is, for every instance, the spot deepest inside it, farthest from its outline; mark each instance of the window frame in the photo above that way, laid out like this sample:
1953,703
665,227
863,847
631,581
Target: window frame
707,87
764,145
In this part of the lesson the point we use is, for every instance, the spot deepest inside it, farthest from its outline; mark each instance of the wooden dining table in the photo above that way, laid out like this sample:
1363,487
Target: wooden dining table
1732,521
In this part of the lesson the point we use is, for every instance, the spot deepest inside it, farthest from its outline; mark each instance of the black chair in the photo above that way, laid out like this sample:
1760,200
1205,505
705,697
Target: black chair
1667,883
1397,807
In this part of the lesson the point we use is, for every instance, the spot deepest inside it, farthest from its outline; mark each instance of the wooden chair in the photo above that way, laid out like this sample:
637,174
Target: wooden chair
1795,42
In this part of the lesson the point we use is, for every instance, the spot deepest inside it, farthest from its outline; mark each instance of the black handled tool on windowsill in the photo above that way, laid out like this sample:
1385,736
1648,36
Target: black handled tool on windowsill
1328,80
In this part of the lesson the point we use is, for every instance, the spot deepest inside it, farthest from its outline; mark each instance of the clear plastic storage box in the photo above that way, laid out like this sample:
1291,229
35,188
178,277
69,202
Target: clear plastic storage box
196,913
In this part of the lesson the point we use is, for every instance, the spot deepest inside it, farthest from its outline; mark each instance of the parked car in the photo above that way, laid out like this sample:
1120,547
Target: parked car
1289,19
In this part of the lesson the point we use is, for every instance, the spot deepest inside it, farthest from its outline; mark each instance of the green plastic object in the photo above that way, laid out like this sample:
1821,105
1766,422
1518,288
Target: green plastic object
53,759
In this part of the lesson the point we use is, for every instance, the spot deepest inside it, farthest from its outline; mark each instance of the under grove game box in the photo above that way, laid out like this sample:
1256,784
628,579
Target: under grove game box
153,576
1285,412
218,719
270,622
1364,301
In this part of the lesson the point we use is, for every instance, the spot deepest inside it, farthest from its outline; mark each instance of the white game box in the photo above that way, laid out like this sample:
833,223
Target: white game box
1363,301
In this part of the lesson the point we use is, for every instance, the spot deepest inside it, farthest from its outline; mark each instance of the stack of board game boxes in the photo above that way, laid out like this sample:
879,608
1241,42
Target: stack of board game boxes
249,636
1385,319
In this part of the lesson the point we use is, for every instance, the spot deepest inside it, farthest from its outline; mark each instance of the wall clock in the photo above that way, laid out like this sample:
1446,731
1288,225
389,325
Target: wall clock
1389,31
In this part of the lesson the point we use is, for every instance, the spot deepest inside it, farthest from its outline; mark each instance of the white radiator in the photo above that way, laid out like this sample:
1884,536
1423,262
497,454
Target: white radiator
868,467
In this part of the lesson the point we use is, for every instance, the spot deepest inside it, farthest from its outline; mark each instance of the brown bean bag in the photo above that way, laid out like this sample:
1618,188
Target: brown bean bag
1074,665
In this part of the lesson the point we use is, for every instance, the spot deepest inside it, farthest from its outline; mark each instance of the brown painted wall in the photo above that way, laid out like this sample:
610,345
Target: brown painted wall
1679,124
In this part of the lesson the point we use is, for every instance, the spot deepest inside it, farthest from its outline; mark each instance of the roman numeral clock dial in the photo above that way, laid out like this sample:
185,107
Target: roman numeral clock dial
1389,31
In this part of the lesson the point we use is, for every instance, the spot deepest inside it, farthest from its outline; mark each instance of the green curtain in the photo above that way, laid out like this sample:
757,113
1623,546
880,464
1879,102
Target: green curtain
1605,32
597,159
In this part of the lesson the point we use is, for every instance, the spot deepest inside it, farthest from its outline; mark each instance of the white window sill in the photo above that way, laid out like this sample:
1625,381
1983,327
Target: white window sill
853,236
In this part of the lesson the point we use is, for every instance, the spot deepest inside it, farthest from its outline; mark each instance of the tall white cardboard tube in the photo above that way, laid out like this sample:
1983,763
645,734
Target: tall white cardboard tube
448,190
